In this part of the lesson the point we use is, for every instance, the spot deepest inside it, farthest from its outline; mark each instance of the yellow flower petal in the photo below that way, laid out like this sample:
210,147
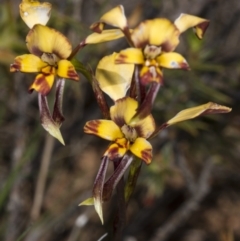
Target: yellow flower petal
105,129
42,84
115,17
186,21
172,60
34,12
123,110
142,149
130,56
117,149
104,36
144,127
190,113
87,202
151,74
56,42
67,70
158,32
27,63
114,79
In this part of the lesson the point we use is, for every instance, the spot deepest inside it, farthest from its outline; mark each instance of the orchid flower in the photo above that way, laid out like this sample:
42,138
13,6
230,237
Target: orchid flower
129,139
48,58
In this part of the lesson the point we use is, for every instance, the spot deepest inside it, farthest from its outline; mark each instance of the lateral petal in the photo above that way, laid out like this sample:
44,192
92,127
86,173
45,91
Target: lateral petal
27,63
144,127
34,12
190,113
130,56
114,79
67,70
142,149
105,129
56,42
42,83
123,110
186,21
104,36
172,60
115,17
158,32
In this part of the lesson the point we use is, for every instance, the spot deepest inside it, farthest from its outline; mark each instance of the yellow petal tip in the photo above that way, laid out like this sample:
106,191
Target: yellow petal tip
87,202
54,131
98,208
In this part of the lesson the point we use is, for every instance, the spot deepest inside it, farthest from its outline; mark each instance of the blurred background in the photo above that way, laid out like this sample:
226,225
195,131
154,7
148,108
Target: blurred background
190,192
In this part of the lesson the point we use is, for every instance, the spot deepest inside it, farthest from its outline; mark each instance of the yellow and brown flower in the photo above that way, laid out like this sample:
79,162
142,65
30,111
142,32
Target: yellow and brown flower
152,41
49,52
125,134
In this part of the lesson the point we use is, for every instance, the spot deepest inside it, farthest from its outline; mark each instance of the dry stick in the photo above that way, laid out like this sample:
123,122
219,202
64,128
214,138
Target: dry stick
41,182
184,212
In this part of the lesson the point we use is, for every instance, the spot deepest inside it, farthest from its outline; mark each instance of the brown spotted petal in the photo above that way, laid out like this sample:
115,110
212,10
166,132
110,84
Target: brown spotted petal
43,83
42,39
117,149
46,119
27,63
105,129
142,149
157,32
57,116
67,70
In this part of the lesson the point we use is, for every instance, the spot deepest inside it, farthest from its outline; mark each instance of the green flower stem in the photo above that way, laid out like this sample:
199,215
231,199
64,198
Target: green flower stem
77,48
132,179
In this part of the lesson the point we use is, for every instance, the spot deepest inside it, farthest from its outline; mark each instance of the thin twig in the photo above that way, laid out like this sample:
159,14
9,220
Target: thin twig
41,182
